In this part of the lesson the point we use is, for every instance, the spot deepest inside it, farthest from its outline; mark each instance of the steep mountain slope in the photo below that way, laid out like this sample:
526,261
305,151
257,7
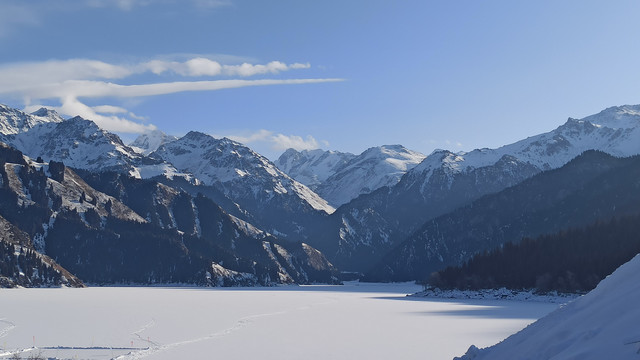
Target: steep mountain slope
209,231
366,228
21,265
594,186
179,239
280,205
149,142
312,167
602,324
340,178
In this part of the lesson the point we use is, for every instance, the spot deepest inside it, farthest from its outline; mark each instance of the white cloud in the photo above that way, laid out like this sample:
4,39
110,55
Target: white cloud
277,141
110,109
283,142
69,81
71,105
205,67
260,135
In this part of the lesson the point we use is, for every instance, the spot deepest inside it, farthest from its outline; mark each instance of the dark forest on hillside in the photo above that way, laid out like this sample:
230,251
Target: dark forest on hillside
568,261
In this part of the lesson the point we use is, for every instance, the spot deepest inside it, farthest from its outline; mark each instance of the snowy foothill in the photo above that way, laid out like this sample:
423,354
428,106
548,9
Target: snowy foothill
603,324
354,321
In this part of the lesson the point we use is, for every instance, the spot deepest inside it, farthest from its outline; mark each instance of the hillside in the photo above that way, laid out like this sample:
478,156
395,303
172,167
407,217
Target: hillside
570,261
603,324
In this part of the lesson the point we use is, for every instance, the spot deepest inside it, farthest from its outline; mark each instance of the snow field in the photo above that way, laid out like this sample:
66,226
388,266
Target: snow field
355,321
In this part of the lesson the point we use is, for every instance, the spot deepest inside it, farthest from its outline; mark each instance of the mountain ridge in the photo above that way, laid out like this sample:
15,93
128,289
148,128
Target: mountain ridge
361,231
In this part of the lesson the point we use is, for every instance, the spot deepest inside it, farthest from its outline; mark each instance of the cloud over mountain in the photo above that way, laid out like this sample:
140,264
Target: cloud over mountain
73,80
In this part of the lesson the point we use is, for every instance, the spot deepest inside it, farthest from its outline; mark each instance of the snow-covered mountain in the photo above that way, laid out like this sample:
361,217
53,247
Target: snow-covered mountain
165,236
312,167
149,142
13,121
240,171
77,142
374,168
341,177
602,324
615,130
277,203
371,225
594,187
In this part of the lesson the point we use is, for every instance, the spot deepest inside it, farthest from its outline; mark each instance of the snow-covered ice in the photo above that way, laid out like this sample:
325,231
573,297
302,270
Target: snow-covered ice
355,321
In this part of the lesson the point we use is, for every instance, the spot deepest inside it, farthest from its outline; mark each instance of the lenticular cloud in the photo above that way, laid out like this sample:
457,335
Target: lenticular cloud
70,81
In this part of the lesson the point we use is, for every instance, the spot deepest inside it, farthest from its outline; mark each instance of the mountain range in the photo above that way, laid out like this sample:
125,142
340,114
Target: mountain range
341,177
364,230
594,186
198,198
171,237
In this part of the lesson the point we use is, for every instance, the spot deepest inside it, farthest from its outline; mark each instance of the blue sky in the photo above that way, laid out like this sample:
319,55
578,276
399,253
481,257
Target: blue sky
338,75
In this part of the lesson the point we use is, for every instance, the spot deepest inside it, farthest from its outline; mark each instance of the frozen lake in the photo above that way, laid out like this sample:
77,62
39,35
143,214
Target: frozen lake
355,321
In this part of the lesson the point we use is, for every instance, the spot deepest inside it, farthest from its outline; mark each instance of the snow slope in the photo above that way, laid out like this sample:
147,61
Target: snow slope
600,325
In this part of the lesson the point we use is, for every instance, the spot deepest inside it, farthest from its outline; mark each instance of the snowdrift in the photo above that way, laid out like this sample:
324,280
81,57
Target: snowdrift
603,324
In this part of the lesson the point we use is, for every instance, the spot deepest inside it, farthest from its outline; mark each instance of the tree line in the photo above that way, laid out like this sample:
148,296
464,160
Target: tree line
573,260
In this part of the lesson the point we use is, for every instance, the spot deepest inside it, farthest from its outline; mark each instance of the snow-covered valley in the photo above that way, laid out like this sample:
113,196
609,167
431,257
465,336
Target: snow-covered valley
354,321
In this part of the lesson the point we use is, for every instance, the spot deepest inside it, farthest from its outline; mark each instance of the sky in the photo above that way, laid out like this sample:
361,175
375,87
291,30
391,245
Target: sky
332,74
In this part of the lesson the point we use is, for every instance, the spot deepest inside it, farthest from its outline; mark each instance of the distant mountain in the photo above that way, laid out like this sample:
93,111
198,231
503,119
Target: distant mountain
364,230
601,324
149,142
13,121
170,237
77,142
279,204
375,168
312,167
341,177
593,187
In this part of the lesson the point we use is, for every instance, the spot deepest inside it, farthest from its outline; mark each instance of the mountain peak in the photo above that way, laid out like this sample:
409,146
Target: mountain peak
150,141
49,114
14,121
617,117
241,172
